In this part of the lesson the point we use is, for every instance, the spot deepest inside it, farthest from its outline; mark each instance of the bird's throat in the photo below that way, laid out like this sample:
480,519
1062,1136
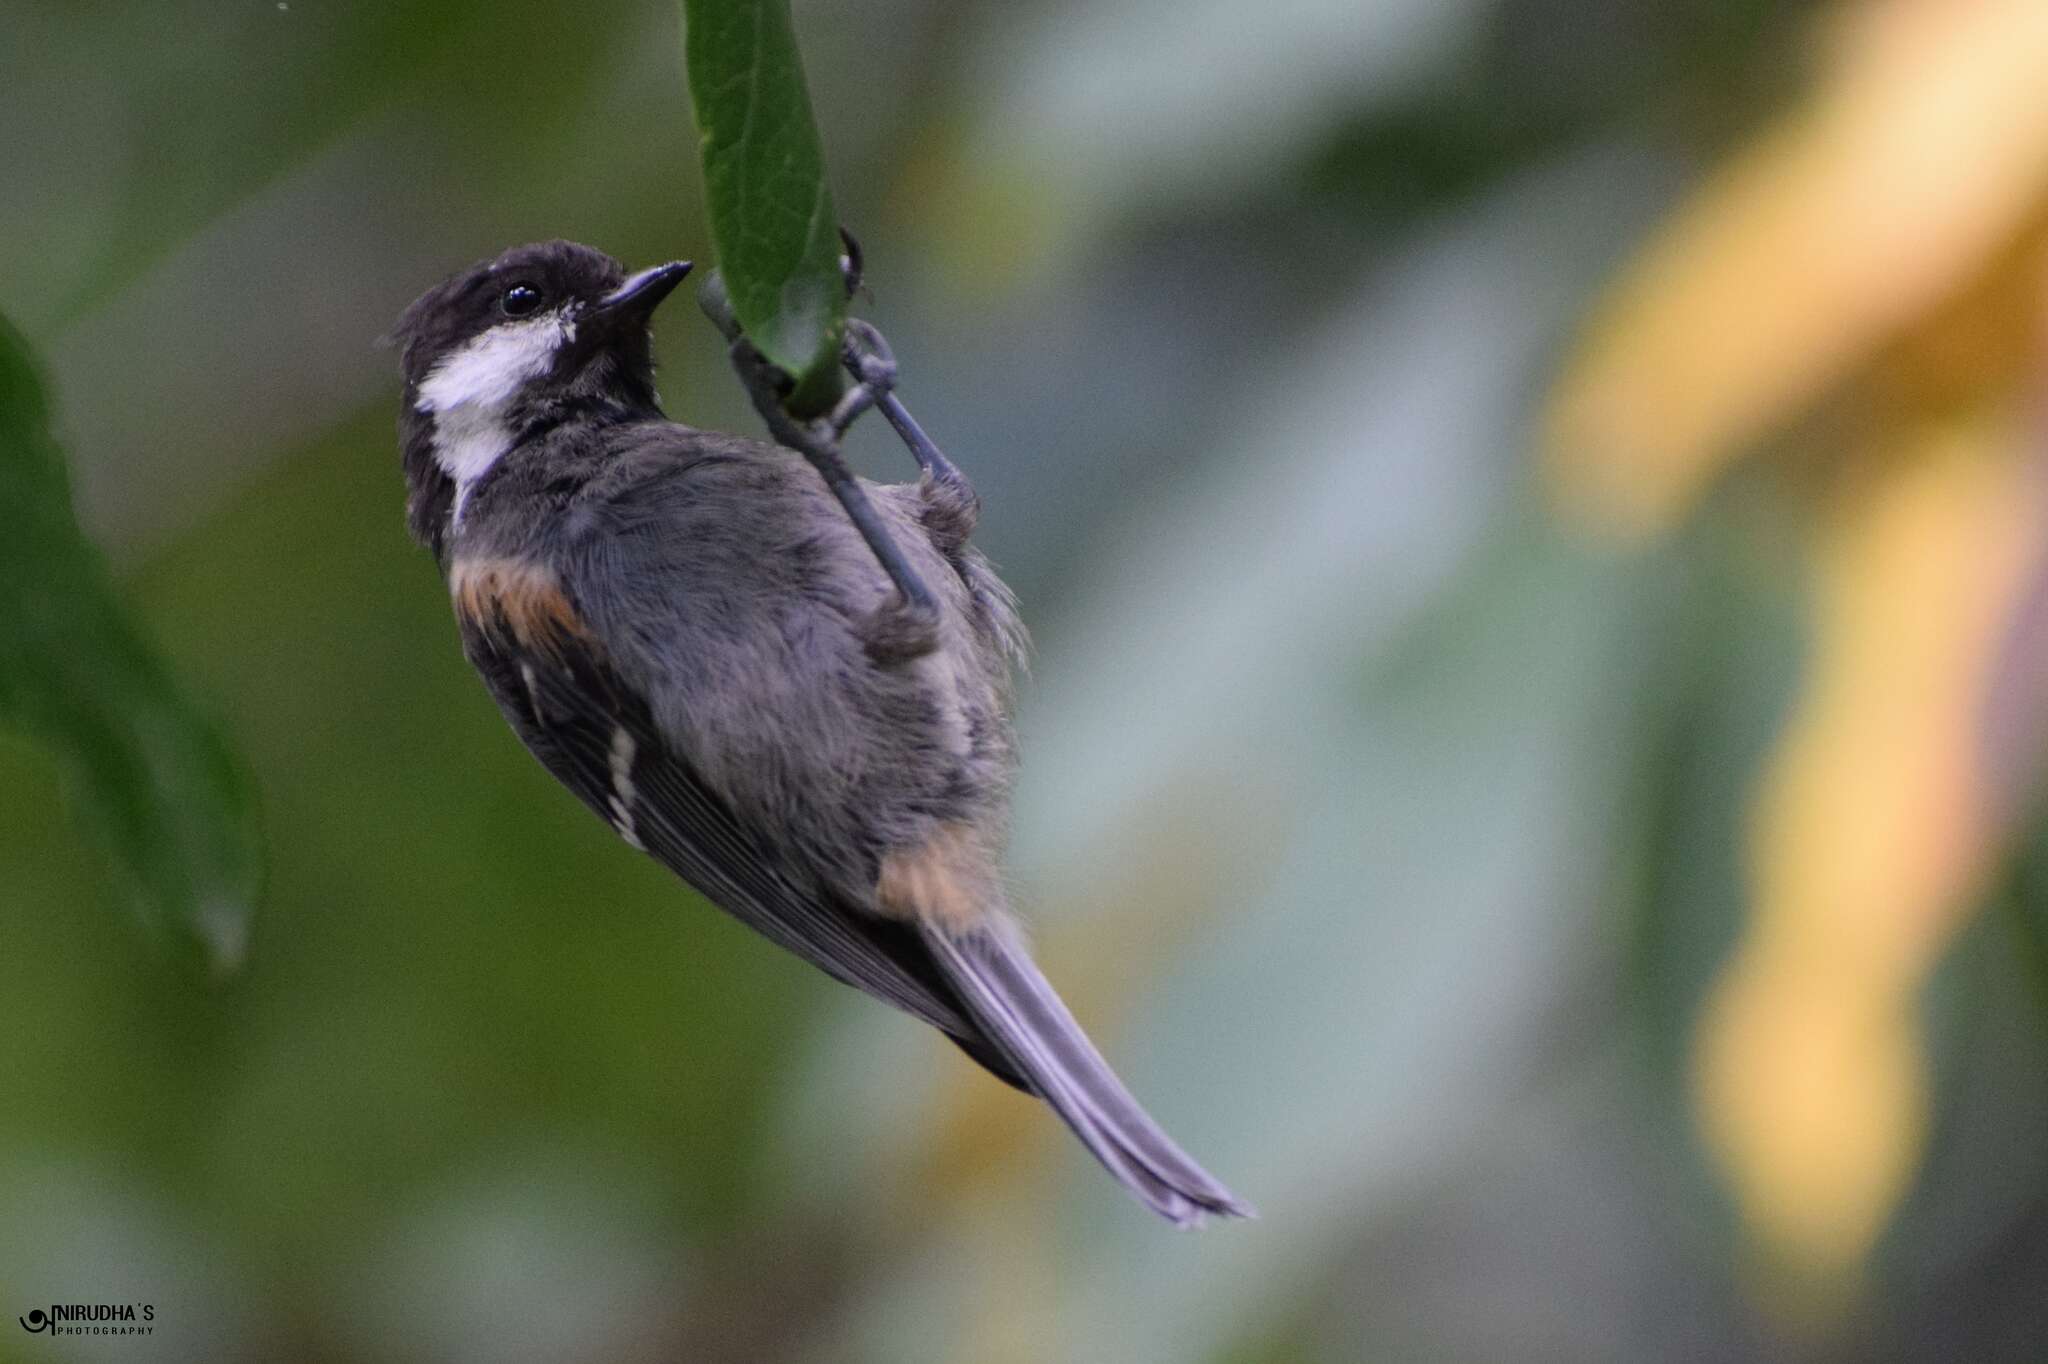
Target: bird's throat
471,395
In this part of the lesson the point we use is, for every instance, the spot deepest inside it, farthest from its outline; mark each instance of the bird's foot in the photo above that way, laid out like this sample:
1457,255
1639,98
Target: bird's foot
866,355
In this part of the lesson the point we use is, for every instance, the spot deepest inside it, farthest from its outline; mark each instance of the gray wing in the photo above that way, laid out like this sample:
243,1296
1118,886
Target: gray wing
595,735
730,590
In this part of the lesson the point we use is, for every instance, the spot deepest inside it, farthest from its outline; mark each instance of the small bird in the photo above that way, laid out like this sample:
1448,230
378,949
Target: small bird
681,625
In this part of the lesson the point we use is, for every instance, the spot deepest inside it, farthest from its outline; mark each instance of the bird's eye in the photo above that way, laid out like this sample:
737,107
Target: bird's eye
521,300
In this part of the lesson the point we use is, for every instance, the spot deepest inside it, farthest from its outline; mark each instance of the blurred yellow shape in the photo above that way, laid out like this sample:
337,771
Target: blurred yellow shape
1922,151
1870,837
1881,246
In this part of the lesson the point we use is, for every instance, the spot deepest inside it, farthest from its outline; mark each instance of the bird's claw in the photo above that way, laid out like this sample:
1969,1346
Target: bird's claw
868,359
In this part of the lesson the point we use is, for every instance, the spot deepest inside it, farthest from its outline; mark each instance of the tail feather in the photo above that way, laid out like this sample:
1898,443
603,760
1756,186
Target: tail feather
1029,1026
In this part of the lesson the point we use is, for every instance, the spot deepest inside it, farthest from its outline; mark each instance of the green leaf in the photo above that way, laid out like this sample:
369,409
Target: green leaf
149,775
772,222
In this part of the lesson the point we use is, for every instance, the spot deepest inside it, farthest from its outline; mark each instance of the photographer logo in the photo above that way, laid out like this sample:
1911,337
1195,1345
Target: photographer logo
92,1319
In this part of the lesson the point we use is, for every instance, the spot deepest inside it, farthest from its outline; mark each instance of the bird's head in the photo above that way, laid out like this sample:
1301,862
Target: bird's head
524,338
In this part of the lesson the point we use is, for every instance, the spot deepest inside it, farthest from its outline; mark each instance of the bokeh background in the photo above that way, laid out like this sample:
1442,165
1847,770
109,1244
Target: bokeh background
1532,515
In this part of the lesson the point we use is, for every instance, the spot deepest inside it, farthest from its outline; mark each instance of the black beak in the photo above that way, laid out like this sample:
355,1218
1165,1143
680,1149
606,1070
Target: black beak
642,293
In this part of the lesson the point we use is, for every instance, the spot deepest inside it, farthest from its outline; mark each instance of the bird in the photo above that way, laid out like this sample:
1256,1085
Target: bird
682,626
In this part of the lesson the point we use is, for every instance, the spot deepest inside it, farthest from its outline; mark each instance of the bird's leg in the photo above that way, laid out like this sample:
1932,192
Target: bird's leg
867,357
950,498
952,508
908,626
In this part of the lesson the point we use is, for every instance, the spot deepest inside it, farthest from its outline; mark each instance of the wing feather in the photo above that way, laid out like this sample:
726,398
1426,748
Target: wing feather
569,708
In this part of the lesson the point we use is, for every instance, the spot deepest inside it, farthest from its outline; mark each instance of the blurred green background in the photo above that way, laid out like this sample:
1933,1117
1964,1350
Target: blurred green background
1400,815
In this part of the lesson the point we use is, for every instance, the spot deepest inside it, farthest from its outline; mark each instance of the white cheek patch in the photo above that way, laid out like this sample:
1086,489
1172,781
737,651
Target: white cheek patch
469,393
490,370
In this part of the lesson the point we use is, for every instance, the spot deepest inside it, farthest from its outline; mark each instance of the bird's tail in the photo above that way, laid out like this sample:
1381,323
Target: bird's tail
1028,1025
